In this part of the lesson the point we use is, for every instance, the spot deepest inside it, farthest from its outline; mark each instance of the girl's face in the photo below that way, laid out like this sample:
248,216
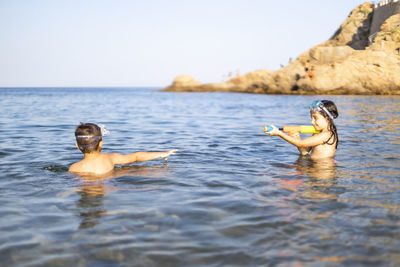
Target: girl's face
320,122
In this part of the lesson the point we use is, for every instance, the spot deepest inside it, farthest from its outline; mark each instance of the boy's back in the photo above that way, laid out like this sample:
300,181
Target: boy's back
98,164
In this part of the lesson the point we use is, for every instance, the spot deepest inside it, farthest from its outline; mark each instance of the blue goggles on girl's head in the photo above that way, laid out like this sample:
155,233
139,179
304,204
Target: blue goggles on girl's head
317,105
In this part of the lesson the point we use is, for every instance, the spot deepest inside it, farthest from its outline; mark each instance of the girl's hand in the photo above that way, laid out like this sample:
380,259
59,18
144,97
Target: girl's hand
169,153
294,135
275,131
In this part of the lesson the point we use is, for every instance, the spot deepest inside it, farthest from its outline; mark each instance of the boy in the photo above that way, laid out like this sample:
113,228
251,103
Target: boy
89,141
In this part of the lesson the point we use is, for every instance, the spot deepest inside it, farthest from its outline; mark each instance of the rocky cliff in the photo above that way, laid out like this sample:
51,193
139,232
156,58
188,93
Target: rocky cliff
351,62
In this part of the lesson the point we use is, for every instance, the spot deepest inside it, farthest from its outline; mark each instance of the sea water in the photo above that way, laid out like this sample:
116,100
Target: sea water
231,196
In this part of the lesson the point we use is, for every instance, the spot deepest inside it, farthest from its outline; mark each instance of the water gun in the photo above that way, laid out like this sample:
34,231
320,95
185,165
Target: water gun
294,129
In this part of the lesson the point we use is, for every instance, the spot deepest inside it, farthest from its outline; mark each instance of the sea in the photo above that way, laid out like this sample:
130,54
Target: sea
230,196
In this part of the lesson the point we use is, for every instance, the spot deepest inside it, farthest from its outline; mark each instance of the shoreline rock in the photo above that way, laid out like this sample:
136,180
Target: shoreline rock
348,63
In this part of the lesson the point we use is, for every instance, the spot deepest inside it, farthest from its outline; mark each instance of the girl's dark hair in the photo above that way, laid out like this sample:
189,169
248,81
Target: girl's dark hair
331,107
83,135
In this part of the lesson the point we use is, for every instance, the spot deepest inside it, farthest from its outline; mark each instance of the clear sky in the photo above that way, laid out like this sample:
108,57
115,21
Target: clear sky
149,42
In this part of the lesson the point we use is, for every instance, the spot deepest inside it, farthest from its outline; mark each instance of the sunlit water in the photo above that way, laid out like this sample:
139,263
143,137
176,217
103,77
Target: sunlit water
231,195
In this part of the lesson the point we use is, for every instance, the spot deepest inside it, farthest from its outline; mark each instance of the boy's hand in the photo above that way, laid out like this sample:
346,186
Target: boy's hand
169,153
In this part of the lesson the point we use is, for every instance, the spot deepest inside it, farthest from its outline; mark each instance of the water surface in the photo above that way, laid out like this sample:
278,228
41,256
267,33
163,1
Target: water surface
231,195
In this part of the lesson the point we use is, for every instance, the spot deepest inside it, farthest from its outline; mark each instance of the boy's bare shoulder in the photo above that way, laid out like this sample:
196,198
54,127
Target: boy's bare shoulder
112,156
76,167
99,165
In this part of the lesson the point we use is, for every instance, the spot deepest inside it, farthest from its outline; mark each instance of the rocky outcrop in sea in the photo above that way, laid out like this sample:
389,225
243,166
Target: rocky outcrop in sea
362,57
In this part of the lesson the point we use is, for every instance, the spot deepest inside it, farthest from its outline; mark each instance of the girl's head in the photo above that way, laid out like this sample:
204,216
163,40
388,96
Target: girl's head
88,137
323,112
326,107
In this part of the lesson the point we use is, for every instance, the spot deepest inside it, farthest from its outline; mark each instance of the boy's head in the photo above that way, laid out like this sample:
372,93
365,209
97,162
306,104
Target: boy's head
88,137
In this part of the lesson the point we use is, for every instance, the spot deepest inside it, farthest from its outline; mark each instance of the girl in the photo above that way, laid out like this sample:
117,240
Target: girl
322,144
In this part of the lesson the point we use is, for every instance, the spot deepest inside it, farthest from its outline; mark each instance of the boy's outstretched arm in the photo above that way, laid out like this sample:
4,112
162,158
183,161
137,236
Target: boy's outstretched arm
140,156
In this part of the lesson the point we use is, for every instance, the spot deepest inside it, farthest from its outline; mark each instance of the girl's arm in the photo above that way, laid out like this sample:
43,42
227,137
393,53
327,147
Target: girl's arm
140,156
302,150
302,144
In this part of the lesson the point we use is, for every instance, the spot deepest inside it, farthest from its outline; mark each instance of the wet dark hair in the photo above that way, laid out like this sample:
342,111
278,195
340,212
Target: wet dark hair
332,109
88,137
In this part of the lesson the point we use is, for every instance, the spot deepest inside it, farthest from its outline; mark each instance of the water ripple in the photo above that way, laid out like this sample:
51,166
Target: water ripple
230,196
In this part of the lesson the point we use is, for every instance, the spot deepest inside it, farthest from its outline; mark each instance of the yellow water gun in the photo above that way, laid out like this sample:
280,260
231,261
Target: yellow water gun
294,129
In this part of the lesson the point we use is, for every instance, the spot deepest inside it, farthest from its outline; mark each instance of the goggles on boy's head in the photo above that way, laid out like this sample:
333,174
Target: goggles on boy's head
92,139
317,105
95,137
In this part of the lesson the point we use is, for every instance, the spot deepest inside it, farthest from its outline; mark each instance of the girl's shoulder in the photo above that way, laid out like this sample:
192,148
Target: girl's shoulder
323,135
330,138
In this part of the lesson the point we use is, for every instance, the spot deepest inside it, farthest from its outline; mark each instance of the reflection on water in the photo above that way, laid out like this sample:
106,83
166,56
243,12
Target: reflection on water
93,188
320,175
322,169
91,209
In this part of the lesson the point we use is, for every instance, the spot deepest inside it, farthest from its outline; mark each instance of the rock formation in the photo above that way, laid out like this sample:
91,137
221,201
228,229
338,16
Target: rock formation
352,62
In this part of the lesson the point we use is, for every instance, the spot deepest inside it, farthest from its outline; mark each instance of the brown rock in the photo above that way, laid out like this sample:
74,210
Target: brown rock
348,63
185,80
